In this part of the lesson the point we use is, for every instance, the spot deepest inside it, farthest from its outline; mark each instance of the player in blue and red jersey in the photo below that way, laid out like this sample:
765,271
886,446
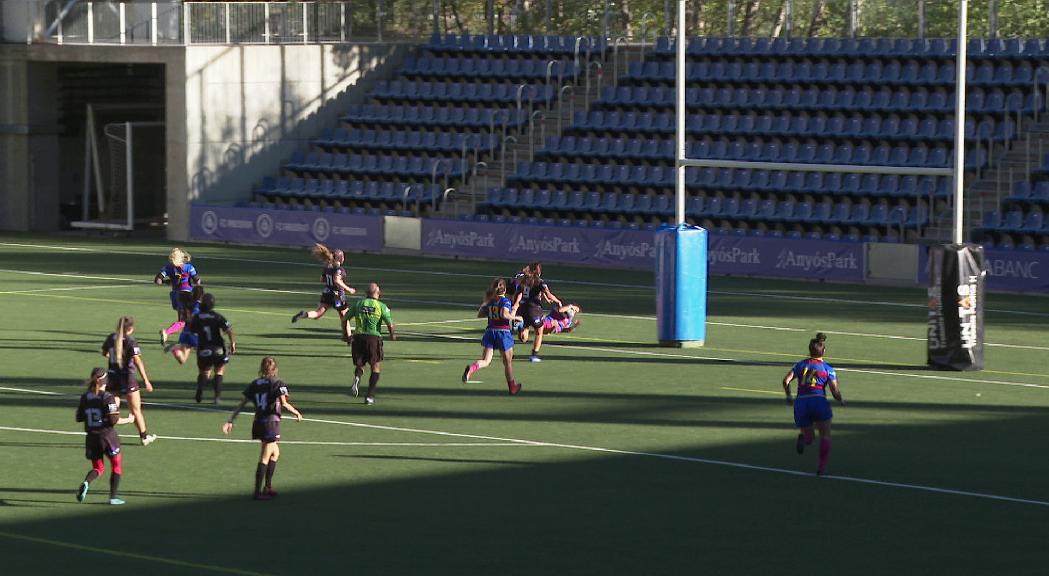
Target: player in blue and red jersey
497,336
811,409
335,288
100,412
269,395
185,289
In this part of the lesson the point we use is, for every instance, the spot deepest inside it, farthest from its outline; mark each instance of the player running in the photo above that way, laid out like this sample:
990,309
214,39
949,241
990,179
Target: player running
335,287
212,358
369,314
100,412
529,300
561,319
269,394
185,289
811,408
125,359
497,309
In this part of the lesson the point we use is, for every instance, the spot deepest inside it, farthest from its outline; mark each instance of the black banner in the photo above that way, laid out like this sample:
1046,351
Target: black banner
957,275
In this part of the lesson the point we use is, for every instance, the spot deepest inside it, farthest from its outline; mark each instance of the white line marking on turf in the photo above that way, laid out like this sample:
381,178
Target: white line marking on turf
28,391
576,282
671,457
443,303
96,287
296,442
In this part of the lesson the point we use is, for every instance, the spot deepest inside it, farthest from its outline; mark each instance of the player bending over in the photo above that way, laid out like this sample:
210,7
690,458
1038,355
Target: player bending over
185,289
269,394
100,412
560,319
369,314
811,408
497,336
335,287
212,358
125,359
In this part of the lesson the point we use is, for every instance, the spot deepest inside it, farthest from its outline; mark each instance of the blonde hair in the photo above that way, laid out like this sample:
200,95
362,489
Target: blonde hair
179,256
268,368
323,253
123,325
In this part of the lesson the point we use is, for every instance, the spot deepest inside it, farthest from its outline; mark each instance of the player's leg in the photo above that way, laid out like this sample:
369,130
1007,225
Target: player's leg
216,382
486,359
805,435
373,382
98,466
134,405
347,328
508,368
116,462
538,343
181,354
178,324
271,467
319,312
824,429
203,375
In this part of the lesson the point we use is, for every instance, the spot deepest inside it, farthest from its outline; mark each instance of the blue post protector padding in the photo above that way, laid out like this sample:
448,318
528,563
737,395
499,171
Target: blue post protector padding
681,285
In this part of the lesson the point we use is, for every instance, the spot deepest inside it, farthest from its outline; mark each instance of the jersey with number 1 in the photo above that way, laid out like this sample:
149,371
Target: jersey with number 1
813,377
208,327
266,395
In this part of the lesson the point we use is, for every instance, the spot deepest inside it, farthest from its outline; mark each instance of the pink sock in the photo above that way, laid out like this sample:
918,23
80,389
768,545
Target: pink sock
473,368
824,454
175,327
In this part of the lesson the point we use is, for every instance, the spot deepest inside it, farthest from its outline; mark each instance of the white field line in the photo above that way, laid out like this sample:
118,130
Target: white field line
444,303
571,282
677,458
296,442
737,360
66,289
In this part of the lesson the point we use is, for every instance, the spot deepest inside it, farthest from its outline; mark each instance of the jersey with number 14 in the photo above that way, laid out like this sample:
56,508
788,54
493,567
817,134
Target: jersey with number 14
266,395
813,376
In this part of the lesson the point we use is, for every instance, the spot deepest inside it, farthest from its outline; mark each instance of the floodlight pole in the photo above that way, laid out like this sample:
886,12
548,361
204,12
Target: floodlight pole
679,201
959,123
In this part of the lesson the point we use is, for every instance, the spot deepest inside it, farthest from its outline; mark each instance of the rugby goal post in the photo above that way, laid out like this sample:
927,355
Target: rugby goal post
110,169
960,348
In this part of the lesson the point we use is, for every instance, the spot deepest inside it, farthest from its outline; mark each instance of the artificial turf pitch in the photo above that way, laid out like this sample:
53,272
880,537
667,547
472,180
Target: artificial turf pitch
618,457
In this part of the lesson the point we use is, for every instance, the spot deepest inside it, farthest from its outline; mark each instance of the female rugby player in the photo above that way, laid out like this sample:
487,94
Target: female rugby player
125,359
100,412
811,408
497,336
185,289
335,288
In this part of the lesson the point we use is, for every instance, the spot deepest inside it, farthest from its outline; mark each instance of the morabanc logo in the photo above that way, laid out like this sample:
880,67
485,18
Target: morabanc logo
321,229
209,222
464,239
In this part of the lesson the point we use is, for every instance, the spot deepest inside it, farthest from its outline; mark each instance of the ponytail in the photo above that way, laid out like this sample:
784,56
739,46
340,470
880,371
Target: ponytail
322,253
816,345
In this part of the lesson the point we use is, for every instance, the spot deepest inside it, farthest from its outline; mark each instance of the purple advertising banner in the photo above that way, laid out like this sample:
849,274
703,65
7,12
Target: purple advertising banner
1007,270
776,257
285,227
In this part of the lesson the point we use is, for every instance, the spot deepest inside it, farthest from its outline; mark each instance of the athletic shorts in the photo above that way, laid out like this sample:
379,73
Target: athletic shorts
188,339
533,315
366,349
208,358
265,430
120,382
103,443
811,409
182,300
498,339
332,300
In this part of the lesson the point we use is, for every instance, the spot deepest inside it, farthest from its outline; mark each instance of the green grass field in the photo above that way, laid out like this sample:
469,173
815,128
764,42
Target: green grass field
618,457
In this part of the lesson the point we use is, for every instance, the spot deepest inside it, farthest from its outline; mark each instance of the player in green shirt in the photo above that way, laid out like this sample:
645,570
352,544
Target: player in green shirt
368,315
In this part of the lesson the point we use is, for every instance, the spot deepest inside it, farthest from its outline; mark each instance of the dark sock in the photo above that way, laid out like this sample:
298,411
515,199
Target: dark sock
373,381
91,475
114,485
217,384
260,472
202,379
143,434
269,472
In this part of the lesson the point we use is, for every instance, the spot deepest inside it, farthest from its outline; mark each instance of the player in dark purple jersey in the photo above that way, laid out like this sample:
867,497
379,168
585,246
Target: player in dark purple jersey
335,288
497,309
100,412
811,408
529,301
269,395
185,289
212,356
125,360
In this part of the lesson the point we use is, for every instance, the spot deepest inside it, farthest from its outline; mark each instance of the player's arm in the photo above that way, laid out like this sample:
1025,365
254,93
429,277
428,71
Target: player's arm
287,406
516,303
786,385
232,339
160,278
80,411
228,426
550,296
835,391
341,283
142,370
114,415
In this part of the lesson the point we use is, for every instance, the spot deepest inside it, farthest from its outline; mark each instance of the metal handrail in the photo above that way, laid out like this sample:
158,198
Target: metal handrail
404,199
476,170
615,60
560,104
645,18
444,199
600,79
531,133
549,71
513,140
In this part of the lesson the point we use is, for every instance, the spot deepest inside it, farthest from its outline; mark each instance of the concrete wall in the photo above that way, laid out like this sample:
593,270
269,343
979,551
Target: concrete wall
248,108
14,139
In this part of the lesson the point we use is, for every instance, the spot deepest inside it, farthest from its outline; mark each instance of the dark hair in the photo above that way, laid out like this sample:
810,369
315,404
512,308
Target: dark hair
497,288
97,374
207,302
816,346
536,268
